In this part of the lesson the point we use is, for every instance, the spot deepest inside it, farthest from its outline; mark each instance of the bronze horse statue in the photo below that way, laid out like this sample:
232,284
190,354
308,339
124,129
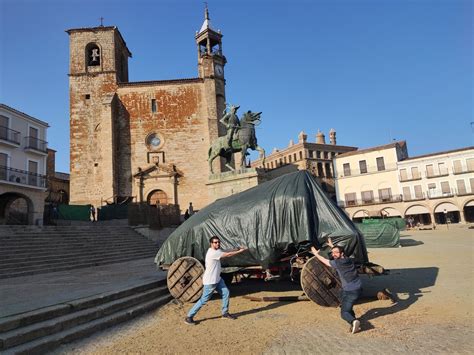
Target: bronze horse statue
243,139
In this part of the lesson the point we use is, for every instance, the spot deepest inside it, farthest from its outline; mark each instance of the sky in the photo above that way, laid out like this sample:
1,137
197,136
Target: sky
374,70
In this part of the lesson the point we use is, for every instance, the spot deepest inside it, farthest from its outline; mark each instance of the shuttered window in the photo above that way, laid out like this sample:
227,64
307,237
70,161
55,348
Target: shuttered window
418,191
367,196
350,199
406,193
461,187
445,189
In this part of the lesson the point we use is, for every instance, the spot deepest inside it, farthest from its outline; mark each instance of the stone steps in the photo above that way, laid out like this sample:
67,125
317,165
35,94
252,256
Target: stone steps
29,250
42,330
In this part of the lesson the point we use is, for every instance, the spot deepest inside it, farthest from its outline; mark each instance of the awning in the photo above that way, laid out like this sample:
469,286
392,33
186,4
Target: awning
416,210
449,207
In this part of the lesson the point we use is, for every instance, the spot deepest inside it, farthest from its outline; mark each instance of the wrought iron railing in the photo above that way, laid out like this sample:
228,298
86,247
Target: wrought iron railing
23,177
36,144
9,135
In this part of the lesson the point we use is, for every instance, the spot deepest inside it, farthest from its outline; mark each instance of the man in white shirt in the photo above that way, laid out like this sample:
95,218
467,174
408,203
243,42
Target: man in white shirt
212,280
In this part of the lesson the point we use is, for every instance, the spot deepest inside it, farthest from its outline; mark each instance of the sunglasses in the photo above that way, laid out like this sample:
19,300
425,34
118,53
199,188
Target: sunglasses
216,242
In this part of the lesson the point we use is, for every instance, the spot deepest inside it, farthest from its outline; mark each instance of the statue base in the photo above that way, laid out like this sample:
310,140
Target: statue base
232,182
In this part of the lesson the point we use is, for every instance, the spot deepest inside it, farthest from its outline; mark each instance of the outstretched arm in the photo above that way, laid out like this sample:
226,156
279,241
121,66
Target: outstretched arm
228,254
320,258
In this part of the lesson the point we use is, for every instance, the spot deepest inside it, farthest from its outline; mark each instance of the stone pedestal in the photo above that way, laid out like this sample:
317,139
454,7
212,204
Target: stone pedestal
232,182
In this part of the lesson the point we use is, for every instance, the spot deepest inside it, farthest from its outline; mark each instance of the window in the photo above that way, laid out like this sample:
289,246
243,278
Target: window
471,182
442,169
93,54
367,196
318,154
325,155
403,175
429,170
418,192
88,96
301,155
445,189
385,194
415,174
363,166
294,157
457,166
470,164
350,199
328,170
153,105
289,158
380,164
406,193
461,187
347,169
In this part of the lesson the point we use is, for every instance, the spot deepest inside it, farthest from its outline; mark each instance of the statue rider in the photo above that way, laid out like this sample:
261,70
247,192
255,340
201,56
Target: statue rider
231,122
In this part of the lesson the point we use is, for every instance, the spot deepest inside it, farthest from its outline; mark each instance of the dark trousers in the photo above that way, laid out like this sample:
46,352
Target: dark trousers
348,300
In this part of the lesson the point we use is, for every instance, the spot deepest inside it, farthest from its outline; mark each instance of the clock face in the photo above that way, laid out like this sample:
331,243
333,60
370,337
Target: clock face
219,70
154,141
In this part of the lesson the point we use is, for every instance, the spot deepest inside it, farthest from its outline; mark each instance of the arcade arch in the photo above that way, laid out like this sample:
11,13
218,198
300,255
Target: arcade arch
15,208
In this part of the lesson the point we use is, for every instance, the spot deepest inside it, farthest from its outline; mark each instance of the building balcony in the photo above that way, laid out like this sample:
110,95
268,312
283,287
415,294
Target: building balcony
9,137
462,171
35,145
406,178
374,201
433,194
433,175
21,177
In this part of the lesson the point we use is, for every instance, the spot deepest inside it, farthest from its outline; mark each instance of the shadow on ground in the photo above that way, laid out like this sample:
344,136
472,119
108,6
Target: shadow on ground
406,286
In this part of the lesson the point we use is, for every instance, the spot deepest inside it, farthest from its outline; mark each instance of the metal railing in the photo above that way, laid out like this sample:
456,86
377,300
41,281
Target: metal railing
9,135
22,177
36,144
430,194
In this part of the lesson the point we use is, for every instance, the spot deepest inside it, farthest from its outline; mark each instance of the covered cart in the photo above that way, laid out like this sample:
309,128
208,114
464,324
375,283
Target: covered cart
277,221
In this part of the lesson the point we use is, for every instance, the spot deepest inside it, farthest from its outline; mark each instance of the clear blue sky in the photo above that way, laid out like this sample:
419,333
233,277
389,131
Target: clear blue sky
374,70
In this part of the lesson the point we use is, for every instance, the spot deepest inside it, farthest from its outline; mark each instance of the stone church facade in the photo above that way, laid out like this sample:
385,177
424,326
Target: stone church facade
144,141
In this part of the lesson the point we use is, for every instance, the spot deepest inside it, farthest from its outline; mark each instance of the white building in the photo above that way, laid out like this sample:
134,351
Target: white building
383,182
23,153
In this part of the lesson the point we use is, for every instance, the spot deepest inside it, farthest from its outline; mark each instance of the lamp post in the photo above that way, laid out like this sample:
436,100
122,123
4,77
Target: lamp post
446,218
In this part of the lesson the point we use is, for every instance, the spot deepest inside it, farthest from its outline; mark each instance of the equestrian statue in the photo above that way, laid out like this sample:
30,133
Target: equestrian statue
239,138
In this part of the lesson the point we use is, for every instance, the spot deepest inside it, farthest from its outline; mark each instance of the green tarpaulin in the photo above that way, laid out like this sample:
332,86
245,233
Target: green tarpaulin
74,212
267,219
384,234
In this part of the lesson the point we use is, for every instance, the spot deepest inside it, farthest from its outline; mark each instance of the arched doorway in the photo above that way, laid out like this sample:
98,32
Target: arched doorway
157,197
469,211
420,214
15,209
446,212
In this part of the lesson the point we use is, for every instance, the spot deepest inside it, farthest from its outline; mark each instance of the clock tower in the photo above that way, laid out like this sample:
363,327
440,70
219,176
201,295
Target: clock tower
211,61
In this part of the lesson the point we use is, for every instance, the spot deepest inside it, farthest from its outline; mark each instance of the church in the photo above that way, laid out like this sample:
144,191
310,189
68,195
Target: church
141,141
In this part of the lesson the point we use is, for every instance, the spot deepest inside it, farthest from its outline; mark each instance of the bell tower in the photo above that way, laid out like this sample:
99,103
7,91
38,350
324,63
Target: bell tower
211,60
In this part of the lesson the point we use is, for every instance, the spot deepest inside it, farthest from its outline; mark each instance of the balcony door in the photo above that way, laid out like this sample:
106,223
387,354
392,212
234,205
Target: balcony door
3,127
33,138
32,173
3,166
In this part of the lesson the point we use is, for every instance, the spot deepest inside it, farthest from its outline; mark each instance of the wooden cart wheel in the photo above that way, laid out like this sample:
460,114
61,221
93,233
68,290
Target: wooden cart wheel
185,279
321,283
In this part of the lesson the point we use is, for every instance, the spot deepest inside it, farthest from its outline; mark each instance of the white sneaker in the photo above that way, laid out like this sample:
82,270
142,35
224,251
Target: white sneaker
355,326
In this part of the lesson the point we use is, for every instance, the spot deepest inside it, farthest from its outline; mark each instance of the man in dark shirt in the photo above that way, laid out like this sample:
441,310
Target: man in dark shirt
351,284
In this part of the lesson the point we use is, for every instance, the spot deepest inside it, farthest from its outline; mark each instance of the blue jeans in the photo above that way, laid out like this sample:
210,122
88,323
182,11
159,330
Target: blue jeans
348,300
208,290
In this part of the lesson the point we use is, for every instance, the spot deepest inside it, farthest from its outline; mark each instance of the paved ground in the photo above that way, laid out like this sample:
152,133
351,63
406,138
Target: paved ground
432,276
27,293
